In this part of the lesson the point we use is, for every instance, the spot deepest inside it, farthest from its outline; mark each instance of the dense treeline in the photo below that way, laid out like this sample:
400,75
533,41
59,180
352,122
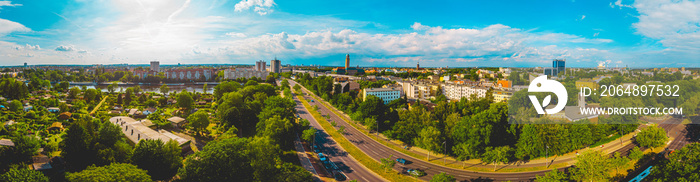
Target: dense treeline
472,128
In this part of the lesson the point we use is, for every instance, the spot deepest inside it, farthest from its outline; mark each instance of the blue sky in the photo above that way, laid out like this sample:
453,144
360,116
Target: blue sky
642,33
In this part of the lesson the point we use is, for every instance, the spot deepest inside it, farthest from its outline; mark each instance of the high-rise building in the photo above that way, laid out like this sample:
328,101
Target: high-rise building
558,68
25,64
275,66
347,61
559,65
260,65
155,66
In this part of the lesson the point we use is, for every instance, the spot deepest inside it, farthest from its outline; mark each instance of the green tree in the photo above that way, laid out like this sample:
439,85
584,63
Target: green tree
160,160
112,87
199,120
251,83
618,161
233,159
636,154
75,147
553,176
184,100
278,129
591,166
652,136
430,139
388,163
682,165
22,174
164,89
443,177
15,106
111,173
496,155
308,134
73,92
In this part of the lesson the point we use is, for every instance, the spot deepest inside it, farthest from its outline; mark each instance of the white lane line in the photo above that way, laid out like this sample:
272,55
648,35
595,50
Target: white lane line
464,176
364,178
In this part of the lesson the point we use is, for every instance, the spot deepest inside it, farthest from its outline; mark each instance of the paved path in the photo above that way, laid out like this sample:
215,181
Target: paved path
305,162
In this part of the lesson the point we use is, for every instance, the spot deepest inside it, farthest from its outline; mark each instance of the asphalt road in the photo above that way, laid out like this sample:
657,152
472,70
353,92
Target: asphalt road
377,151
352,169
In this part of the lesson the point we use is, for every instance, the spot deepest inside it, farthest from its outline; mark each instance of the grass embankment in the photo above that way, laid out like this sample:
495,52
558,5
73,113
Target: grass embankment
436,159
352,149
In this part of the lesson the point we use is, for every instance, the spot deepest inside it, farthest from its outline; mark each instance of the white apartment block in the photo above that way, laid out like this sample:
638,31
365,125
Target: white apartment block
457,91
386,94
231,74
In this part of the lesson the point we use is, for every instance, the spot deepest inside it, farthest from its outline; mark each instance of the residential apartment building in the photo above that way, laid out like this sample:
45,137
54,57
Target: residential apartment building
232,74
457,91
386,94
501,95
190,74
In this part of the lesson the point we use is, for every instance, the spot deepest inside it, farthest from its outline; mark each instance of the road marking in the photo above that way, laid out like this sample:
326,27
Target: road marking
464,176
364,178
511,178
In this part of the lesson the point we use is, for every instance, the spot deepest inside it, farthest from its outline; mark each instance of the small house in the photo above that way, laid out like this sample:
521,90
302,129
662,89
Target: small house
177,121
41,162
56,126
7,142
149,111
27,108
65,115
54,109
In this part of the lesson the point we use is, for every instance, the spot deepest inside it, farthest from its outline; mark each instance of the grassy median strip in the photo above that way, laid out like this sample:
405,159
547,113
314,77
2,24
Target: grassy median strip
352,149
436,160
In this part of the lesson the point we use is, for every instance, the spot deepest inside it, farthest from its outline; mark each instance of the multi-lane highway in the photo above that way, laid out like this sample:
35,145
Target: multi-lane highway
350,167
377,151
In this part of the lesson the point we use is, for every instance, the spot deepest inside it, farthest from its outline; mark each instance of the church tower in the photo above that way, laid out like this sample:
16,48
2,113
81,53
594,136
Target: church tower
347,61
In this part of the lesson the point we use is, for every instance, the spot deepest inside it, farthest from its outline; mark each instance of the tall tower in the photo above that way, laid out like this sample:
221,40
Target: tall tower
418,65
347,61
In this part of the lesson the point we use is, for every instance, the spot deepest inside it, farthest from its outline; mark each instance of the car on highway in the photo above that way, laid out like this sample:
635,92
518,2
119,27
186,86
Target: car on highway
415,172
322,157
316,149
312,100
401,160
339,176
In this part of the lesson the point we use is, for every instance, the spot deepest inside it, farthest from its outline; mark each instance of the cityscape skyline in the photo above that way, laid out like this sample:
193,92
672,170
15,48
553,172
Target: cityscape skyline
520,34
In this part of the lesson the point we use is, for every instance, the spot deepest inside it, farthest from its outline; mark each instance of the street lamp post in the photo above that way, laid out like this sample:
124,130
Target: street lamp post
545,156
444,158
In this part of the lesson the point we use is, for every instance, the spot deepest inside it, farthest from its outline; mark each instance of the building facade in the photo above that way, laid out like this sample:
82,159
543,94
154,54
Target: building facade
155,66
190,74
275,66
232,74
260,66
386,94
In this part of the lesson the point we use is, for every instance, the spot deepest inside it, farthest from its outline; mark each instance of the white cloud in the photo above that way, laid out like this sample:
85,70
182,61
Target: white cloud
676,24
28,47
418,26
261,7
236,34
7,26
619,4
8,3
582,17
63,48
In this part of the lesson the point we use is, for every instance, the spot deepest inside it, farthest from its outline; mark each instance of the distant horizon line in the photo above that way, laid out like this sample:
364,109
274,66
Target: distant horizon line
224,64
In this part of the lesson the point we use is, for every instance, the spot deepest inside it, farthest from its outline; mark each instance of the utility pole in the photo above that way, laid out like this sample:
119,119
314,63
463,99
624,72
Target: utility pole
444,158
545,156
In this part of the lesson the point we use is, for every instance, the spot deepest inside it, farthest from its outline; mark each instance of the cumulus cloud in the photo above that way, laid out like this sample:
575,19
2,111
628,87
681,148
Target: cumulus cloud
8,3
64,48
436,44
28,47
676,24
236,34
418,26
619,4
261,7
7,26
